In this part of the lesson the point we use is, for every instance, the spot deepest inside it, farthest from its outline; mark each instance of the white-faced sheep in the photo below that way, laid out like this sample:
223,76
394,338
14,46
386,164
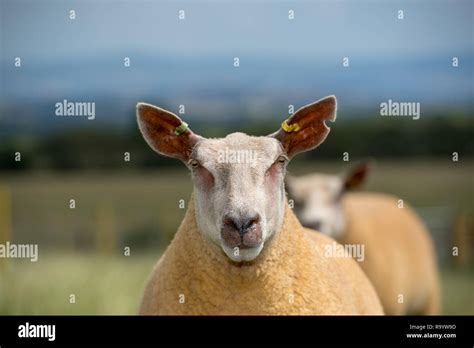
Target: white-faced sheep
240,249
399,256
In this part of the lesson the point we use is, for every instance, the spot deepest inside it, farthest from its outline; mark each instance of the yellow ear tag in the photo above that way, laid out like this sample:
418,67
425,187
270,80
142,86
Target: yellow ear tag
290,128
183,127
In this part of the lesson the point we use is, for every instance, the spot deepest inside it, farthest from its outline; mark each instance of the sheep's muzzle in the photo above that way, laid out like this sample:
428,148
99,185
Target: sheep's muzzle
243,233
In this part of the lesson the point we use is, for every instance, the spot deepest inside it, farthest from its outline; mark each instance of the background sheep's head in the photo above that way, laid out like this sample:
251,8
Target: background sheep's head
318,198
238,180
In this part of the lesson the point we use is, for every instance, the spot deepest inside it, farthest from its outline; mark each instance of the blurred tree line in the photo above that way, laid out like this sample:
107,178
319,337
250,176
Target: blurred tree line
105,148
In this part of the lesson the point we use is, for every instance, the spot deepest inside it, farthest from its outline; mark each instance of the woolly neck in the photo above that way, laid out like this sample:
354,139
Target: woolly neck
196,252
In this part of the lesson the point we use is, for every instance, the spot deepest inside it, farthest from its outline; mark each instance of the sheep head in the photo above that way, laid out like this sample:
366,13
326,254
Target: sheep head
238,180
318,198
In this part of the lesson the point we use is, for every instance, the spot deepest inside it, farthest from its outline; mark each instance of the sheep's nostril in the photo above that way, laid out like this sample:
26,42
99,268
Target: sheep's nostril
230,223
249,224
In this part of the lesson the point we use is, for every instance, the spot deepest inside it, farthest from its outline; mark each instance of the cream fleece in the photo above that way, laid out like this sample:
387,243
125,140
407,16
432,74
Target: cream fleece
291,276
399,254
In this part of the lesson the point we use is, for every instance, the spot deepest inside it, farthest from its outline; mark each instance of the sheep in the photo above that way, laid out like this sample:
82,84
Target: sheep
399,254
240,250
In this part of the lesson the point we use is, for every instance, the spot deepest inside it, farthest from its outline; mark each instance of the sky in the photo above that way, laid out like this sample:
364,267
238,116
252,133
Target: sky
320,29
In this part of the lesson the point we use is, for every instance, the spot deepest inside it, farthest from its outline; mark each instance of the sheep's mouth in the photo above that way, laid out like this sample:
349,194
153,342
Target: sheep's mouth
242,238
242,246
242,254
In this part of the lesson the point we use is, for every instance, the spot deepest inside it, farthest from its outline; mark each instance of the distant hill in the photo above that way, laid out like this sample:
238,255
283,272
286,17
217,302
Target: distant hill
212,89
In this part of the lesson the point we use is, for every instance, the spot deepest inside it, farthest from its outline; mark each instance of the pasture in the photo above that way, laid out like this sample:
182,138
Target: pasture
81,250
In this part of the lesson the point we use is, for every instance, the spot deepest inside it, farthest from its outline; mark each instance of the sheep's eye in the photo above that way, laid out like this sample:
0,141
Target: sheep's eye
282,159
277,166
193,163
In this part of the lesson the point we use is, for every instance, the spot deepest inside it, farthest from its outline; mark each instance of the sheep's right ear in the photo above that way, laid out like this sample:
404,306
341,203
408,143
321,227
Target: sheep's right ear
165,132
306,128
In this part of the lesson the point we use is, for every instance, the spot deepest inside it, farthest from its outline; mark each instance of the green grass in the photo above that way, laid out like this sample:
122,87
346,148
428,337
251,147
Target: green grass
101,285
458,291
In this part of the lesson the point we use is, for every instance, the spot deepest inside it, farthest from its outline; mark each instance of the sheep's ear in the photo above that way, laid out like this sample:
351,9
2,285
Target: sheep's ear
356,176
306,128
165,132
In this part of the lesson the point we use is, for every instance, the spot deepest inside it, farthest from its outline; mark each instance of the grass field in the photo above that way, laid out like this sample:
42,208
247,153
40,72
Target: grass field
100,285
142,211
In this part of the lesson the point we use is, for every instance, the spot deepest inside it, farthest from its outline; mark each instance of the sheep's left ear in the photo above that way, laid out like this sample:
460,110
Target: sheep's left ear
306,128
165,132
357,176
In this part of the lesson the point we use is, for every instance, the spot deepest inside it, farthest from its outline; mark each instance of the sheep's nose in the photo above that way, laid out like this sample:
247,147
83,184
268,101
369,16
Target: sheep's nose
241,225
241,232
